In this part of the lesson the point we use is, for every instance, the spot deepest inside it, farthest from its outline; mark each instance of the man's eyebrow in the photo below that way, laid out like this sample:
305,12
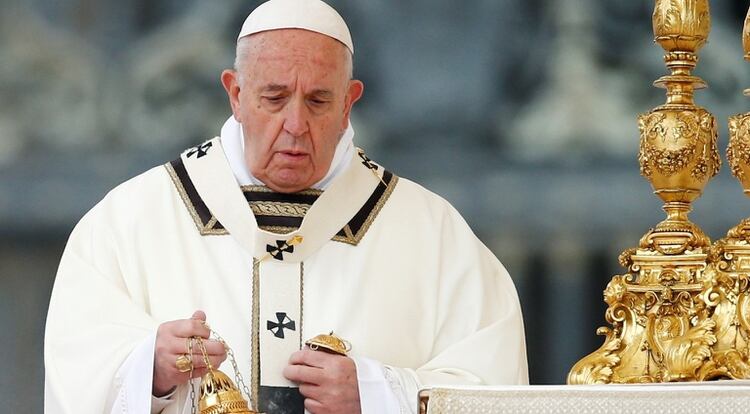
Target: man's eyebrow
321,93
274,87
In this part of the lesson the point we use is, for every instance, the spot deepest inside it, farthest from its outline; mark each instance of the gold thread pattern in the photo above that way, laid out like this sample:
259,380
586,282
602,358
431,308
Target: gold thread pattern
278,209
255,334
348,232
264,189
278,229
301,301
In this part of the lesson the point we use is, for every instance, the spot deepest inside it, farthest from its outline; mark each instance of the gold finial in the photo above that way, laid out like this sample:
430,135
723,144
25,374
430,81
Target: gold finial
681,25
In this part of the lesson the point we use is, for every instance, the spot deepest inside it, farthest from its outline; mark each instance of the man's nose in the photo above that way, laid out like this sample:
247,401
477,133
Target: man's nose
296,118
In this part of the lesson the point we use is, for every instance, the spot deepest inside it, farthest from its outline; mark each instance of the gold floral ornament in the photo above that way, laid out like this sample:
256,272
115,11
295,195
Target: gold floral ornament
329,343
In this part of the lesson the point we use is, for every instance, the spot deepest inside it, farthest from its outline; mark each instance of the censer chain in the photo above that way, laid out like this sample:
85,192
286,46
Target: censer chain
233,361
192,386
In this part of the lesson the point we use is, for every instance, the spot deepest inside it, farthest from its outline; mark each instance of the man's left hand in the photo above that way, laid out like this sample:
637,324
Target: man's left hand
327,381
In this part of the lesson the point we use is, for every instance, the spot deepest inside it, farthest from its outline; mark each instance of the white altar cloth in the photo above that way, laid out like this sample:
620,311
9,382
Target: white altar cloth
673,398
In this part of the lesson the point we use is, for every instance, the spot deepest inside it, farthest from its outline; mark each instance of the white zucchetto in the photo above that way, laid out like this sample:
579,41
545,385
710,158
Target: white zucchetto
313,15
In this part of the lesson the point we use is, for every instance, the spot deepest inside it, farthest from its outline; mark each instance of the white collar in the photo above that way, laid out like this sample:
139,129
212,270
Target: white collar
233,142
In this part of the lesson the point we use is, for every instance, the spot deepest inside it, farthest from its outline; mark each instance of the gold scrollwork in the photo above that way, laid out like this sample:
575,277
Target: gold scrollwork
597,368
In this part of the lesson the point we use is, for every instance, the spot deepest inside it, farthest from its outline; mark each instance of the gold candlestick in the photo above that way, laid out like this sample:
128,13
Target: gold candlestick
661,327
731,262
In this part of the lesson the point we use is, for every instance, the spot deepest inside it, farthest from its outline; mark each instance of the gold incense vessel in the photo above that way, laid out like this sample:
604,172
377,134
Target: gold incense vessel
219,395
329,343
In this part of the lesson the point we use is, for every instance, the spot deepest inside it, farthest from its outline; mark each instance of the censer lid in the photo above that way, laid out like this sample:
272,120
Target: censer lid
219,395
330,343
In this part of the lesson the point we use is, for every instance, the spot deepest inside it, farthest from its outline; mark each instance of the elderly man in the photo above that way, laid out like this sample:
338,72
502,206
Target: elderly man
277,231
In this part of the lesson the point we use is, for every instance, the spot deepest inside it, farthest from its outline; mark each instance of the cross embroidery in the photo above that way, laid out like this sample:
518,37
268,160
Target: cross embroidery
283,322
201,150
367,162
278,251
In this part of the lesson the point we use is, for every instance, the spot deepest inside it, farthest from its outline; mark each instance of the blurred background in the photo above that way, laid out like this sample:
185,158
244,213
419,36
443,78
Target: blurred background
522,113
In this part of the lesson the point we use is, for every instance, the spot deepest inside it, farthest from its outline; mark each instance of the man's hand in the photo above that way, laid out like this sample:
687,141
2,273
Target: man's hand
171,342
327,381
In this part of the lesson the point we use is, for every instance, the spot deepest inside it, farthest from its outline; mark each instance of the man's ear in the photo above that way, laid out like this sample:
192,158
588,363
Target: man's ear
356,89
230,80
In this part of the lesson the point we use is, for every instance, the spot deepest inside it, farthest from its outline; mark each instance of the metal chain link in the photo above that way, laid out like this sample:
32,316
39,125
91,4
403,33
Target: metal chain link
190,381
204,353
233,361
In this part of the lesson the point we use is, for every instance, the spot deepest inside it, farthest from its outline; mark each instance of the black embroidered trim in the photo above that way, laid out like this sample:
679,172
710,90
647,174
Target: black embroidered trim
295,198
275,221
201,149
363,218
367,162
202,216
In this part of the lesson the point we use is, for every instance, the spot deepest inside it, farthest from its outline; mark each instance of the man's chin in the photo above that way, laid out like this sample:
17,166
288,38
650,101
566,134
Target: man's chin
288,182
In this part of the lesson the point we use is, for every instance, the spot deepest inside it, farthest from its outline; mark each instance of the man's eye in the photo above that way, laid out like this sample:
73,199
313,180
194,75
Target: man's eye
274,99
318,101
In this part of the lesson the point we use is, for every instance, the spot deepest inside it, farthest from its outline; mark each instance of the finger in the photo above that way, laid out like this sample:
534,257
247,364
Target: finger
215,347
312,358
190,327
303,374
200,362
199,315
310,391
313,406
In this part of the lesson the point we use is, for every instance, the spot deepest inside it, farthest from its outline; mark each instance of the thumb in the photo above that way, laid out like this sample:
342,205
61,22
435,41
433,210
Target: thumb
199,315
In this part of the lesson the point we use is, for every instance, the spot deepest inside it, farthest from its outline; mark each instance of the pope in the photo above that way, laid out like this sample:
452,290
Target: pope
272,233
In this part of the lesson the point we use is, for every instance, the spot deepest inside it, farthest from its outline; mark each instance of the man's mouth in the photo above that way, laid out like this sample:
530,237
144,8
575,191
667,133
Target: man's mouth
292,155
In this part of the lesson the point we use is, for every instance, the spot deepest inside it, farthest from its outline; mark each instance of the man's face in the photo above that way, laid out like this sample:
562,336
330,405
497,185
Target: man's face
292,94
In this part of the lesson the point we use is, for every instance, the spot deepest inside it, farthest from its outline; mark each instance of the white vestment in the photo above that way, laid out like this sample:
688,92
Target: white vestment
384,263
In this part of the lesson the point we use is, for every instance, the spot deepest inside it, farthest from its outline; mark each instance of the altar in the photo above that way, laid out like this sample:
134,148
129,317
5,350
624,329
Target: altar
678,398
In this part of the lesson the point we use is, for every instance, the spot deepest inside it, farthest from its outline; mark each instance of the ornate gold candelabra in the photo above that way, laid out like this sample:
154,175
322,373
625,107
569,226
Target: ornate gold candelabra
661,310
731,261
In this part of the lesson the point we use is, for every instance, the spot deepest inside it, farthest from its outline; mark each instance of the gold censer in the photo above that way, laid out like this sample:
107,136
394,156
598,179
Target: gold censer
218,394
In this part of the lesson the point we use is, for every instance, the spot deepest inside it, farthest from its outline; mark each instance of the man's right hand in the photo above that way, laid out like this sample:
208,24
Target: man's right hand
171,342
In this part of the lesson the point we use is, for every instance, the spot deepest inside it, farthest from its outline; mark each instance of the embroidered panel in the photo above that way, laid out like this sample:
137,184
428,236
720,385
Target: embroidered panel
277,212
